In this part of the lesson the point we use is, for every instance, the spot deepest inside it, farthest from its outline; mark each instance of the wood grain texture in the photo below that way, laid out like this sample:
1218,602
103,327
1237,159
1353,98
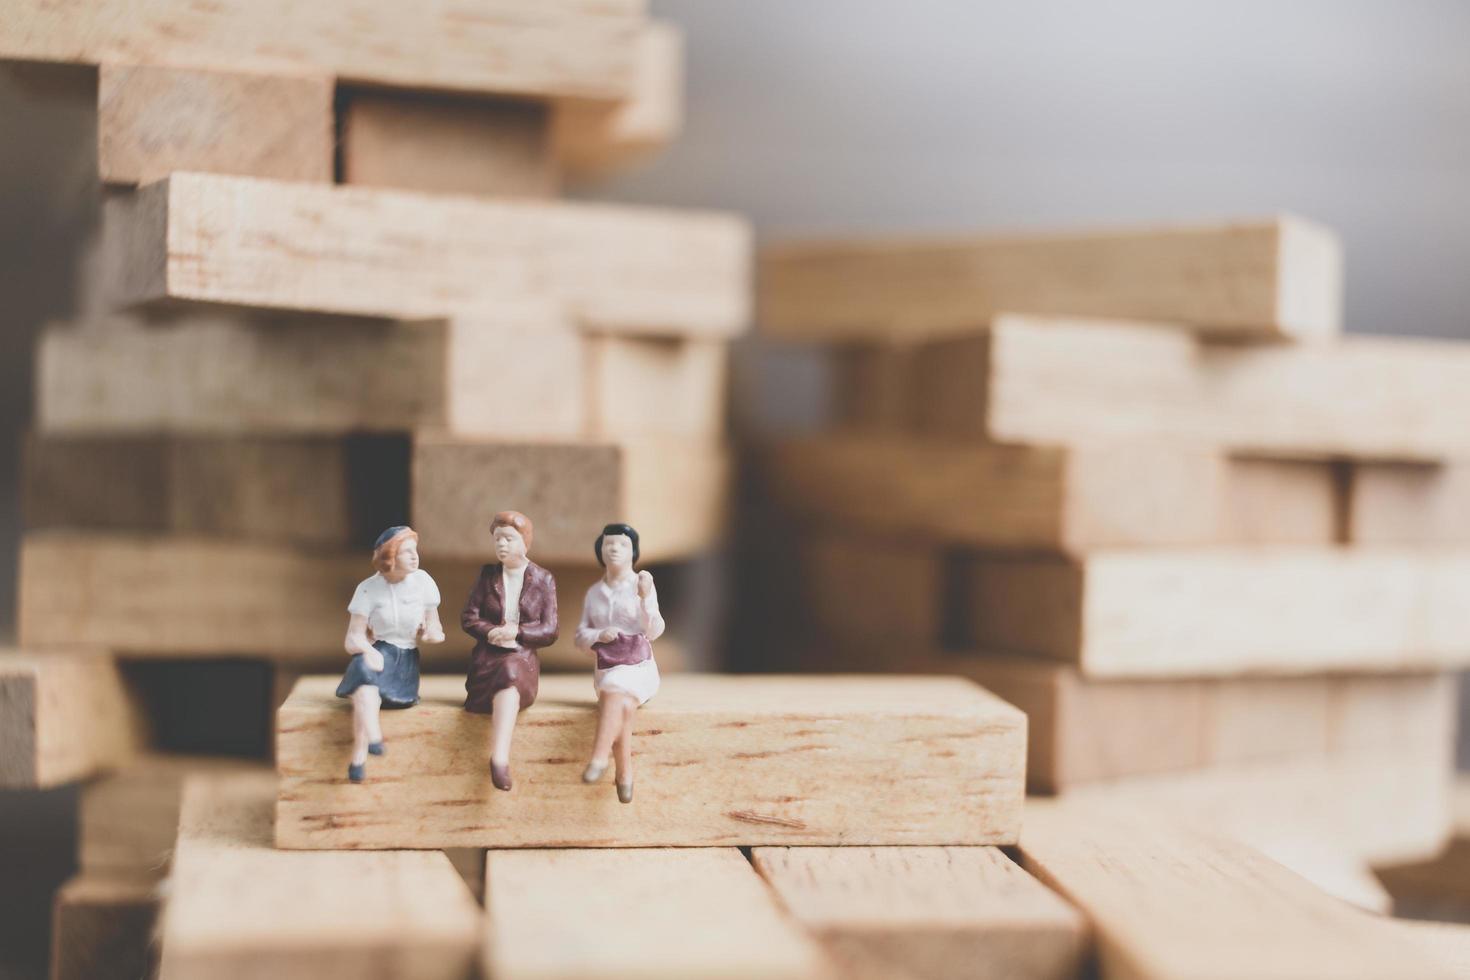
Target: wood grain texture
692,912
64,716
396,254
1167,900
237,907
582,48
927,913
720,761
978,494
1177,613
1267,279
153,121
102,927
447,146
675,492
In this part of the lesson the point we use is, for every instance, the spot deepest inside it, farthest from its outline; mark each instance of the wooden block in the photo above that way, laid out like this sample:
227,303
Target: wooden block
797,758
968,492
873,385
315,491
1438,885
561,48
1409,504
700,912
237,907
1078,382
153,121
64,716
645,386
838,568
1178,613
1341,875
1167,900
1265,279
674,492
1447,942
927,912
396,254
449,146
102,928
593,138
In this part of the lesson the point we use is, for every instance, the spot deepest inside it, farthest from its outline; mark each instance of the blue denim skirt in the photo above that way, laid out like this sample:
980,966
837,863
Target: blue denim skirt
397,682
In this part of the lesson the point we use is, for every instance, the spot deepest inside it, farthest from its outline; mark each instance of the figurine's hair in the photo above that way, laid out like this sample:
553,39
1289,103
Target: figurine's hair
385,554
517,520
616,529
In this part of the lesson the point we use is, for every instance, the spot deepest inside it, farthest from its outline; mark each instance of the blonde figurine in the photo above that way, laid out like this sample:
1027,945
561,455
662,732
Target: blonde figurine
389,614
620,621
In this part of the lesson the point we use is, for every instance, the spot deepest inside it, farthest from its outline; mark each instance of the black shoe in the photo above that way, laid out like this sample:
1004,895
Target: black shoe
377,748
500,776
356,771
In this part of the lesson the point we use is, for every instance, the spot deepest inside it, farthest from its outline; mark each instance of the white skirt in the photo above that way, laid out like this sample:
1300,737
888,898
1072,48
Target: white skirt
635,680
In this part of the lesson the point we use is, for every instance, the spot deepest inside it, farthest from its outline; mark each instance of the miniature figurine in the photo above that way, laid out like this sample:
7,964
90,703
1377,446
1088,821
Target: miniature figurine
388,615
511,613
620,619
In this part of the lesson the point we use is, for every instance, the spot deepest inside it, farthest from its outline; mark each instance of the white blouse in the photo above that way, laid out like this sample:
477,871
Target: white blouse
395,611
511,580
618,607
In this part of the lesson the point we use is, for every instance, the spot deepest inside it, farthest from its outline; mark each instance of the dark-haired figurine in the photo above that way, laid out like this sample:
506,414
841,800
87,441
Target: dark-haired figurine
511,613
620,621
389,614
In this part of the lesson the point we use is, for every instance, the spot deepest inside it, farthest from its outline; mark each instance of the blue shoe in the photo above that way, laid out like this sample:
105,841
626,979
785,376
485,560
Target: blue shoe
356,771
377,748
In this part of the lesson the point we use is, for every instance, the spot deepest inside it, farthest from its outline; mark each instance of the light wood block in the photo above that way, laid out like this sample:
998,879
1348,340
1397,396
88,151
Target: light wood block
644,386
695,912
927,913
1341,875
675,492
153,121
969,492
1266,279
1410,504
1446,942
102,927
396,254
1167,900
720,761
559,48
1440,883
237,907
449,146
64,716
1045,381
594,138
1134,613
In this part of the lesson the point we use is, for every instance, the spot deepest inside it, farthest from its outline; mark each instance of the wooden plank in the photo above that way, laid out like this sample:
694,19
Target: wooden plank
978,494
64,716
797,759
1072,382
645,386
238,907
1178,613
1447,942
102,927
153,121
700,912
1167,900
595,138
570,490
1409,504
396,254
1438,885
448,146
561,48
838,568
1267,279
927,912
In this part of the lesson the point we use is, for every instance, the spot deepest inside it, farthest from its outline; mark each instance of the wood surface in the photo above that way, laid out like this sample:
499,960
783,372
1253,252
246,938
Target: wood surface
583,48
839,570
237,907
656,913
719,761
1439,884
1275,278
1227,611
646,386
405,255
448,146
927,913
1410,504
65,715
153,121
102,927
1169,900
675,492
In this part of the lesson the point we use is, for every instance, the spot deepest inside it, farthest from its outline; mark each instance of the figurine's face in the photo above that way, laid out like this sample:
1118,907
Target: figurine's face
617,550
407,559
509,545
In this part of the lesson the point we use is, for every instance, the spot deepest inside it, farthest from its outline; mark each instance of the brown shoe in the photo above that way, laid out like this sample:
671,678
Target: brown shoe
625,792
500,775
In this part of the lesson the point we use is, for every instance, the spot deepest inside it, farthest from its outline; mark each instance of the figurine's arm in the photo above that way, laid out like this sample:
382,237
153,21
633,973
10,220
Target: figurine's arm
587,634
649,617
433,628
357,642
469,619
541,632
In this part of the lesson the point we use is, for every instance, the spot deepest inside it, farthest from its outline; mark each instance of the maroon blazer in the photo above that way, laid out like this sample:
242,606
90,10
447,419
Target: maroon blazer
485,610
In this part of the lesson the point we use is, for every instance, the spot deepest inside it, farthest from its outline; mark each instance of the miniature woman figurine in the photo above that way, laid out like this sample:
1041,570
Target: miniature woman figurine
389,614
511,613
620,619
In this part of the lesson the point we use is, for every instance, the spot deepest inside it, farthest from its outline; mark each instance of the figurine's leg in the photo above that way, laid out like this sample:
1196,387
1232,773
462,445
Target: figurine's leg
624,743
365,704
609,724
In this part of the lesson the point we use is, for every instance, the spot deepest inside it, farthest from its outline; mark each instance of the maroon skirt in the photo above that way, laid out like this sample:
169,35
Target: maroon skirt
492,670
